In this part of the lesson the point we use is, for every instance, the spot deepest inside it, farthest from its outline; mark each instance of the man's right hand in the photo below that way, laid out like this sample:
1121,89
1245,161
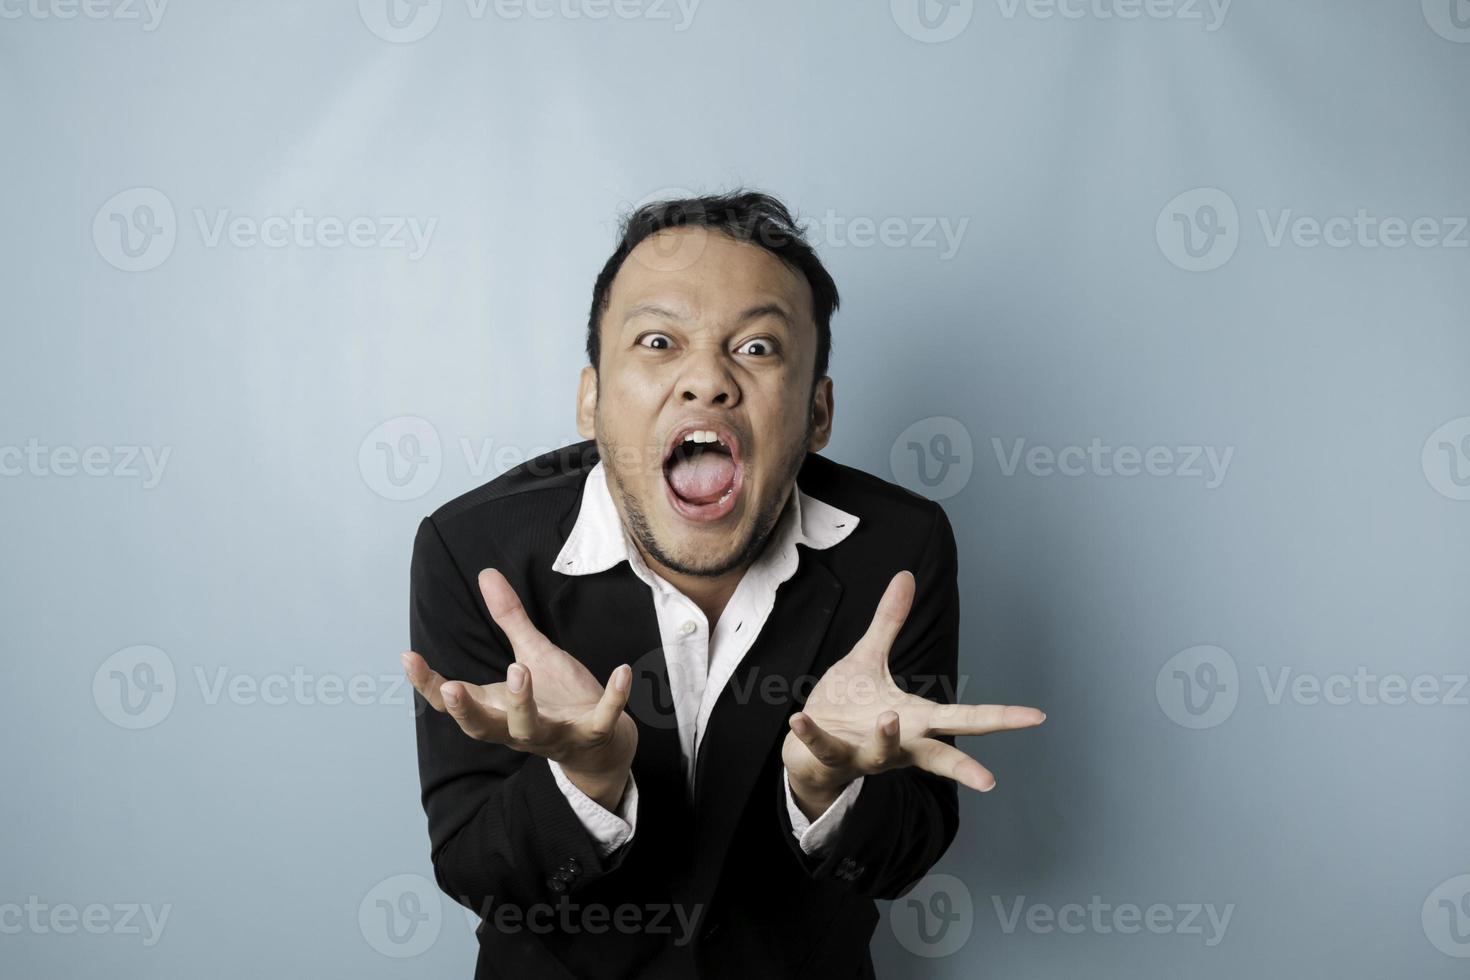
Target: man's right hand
563,715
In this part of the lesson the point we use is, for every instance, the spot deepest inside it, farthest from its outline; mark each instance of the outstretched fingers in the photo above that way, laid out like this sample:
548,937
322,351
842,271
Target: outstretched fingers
945,760
475,717
506,609
827,748
427,681
598,723
521,717
888,618
981,719
881,750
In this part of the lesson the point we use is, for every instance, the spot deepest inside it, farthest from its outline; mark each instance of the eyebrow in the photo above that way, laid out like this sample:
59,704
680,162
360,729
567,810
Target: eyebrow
753,313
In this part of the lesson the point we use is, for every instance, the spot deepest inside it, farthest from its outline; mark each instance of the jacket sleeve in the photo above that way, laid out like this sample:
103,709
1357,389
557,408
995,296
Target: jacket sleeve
500,829
904,819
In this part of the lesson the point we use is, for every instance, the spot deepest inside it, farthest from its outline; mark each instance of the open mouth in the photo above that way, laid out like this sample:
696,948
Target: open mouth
702,471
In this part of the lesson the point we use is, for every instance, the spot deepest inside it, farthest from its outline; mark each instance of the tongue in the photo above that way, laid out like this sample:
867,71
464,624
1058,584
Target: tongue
703,478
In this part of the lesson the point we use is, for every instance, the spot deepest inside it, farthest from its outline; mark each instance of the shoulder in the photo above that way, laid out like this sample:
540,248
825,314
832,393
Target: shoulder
892,520
523,508
877,503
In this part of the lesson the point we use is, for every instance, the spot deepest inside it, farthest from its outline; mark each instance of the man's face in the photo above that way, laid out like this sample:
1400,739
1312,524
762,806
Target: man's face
704,334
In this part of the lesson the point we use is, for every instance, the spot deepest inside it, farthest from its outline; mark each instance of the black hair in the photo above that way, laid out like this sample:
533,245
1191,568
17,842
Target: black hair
744,215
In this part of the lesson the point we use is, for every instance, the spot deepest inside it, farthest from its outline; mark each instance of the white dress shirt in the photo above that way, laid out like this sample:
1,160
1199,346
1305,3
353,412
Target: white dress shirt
700,661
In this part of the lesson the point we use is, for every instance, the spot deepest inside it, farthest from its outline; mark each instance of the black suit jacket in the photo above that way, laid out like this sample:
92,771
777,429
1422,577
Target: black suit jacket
505,841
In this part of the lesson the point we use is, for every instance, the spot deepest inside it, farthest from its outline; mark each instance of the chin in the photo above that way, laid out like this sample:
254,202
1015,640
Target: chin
705,548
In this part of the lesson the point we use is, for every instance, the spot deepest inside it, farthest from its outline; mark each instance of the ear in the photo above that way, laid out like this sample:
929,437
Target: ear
587,403
821,415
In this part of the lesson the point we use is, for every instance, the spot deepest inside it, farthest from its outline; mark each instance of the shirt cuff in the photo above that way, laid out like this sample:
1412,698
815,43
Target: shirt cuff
609,830
814,836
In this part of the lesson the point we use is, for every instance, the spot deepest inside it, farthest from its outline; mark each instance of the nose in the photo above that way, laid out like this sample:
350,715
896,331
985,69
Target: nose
706,380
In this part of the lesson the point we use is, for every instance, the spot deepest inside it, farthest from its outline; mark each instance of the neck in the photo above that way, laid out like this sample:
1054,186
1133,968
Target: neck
711,593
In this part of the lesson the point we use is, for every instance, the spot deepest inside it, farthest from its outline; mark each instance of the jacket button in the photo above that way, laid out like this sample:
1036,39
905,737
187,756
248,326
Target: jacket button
556,884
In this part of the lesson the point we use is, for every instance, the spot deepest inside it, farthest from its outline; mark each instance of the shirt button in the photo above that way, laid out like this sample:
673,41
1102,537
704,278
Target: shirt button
689,627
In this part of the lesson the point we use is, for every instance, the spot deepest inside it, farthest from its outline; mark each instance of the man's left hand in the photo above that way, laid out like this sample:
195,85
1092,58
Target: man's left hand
857,721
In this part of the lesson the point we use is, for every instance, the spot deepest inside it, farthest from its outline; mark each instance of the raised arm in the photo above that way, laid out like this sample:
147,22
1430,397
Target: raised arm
862,721
497,703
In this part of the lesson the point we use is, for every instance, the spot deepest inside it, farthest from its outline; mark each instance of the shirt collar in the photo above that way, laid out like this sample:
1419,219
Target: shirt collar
599,541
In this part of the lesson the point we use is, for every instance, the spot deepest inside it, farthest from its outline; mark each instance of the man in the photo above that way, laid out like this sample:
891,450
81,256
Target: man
784,753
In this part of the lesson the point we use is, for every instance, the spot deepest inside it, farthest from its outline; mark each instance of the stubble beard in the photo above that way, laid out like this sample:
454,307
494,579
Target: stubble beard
755,542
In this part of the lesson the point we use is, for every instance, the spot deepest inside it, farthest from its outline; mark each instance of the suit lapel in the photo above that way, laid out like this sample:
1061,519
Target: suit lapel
608,618
747,723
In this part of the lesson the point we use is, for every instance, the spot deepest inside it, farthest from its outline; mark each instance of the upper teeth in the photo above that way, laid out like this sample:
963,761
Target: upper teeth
701,435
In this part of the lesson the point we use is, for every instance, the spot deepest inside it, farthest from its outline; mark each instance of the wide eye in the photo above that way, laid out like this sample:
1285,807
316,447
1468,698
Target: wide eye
655,341
759,347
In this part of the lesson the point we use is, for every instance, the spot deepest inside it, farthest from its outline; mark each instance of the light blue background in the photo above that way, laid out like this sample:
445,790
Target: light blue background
268,546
